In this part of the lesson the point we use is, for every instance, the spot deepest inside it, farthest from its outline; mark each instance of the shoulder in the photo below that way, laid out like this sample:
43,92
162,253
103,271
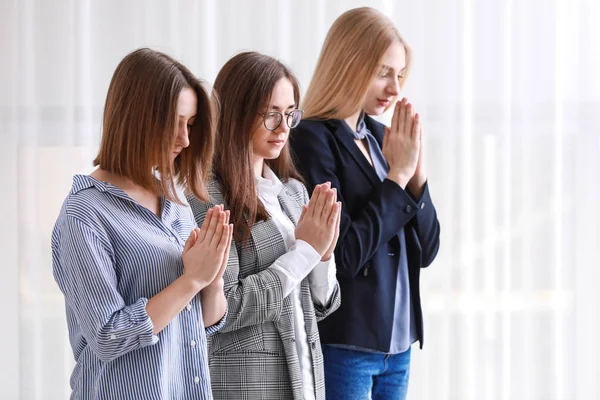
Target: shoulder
215,194
313,136
296,189
315,127
87,204
313,124
200,208
82,211
294,186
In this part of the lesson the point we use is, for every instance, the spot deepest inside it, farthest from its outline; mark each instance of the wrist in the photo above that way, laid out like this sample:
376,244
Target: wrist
400,178
212,293
216,286
416,184
192,285
326,257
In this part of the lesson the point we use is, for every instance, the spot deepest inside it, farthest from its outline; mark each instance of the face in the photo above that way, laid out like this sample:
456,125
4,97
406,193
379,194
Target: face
384,87
186,113
267,144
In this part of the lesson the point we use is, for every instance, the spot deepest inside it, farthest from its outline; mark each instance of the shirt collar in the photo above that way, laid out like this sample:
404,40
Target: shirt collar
269,184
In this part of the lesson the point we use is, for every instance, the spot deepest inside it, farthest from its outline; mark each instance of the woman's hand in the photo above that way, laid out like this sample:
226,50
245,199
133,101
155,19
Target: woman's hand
402,143
318,221
206,250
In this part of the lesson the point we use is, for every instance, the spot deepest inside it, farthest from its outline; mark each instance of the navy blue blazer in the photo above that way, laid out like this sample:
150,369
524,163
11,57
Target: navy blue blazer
367,253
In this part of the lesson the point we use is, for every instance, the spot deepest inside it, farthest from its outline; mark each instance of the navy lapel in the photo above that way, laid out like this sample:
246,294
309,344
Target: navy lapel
341,131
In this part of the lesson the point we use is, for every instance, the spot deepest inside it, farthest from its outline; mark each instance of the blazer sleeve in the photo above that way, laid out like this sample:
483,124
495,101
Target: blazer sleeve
253,300
388,209
427,228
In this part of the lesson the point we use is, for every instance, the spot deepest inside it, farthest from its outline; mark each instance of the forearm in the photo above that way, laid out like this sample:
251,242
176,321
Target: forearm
253,300
164,307
214,303
427,227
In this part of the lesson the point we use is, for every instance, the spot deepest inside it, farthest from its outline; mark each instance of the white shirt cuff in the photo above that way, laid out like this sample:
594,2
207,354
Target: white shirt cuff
293,266
322,281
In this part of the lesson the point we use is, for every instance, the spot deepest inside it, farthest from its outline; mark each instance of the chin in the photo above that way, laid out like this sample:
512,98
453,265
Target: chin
271,155
376,111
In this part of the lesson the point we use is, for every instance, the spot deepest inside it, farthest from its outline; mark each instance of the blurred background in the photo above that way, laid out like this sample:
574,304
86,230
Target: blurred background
510,96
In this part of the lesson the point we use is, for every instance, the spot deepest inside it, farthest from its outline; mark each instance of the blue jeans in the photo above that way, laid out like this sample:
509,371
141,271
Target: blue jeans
359,375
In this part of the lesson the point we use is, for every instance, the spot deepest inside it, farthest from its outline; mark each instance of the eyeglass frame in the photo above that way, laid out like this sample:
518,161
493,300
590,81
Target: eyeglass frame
281,115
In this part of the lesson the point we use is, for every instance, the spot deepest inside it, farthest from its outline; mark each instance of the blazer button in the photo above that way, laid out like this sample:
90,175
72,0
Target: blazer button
422,205
408,208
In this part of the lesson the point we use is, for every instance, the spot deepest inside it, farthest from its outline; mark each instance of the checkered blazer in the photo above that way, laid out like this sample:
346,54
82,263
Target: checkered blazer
254,356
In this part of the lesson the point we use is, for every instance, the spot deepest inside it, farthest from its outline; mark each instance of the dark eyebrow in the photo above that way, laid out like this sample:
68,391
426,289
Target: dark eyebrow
274,107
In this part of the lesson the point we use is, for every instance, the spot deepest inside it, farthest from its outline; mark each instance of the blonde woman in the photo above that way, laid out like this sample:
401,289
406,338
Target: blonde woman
389,228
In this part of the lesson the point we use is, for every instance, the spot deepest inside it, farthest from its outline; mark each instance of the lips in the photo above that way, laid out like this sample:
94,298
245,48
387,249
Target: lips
383,102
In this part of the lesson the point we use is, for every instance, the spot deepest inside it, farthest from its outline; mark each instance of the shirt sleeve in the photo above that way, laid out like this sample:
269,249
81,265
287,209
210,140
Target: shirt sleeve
293,266
84,270
322,280
211,330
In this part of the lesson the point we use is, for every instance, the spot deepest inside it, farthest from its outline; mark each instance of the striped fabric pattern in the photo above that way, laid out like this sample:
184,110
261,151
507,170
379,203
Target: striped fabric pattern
109,256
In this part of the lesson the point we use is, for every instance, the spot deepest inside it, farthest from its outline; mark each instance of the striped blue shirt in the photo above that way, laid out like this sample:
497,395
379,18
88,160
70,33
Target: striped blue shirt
109,256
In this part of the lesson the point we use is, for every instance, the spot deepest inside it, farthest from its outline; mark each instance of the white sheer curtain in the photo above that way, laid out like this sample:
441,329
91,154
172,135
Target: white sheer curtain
510,94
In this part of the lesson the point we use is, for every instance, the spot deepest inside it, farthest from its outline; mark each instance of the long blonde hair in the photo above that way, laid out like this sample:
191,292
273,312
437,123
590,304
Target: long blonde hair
349,60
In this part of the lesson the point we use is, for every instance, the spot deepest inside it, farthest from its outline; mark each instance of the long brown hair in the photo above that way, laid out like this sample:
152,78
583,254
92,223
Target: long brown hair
140,122
349,60
244,87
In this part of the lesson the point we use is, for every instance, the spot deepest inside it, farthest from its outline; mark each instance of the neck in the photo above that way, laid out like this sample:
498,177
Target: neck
258,164
352,120
112,178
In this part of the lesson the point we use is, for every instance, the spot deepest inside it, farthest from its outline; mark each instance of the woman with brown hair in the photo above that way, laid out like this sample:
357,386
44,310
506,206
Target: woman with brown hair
143,285
389,228
280,277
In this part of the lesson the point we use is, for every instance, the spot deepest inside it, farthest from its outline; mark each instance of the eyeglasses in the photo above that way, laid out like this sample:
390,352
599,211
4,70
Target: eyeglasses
273,119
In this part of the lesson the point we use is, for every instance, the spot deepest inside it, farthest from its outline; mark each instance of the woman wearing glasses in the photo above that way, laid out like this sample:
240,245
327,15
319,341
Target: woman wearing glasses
389,228
280,278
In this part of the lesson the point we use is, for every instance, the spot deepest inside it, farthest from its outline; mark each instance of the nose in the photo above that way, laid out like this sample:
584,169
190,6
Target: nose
283,126
183,139
393,88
